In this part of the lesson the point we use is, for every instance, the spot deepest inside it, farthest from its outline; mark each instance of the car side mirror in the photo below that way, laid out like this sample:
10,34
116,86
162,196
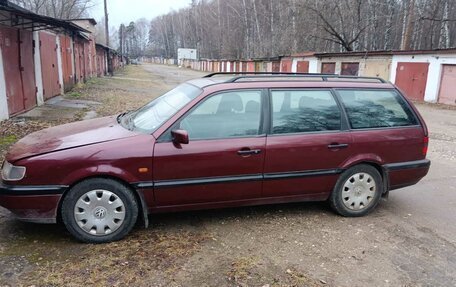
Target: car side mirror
180,136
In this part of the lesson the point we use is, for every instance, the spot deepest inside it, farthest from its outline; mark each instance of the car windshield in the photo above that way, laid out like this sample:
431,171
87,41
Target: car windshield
150,117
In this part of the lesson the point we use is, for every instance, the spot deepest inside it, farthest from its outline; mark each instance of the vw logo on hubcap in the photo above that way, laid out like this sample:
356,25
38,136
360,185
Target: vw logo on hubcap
100,212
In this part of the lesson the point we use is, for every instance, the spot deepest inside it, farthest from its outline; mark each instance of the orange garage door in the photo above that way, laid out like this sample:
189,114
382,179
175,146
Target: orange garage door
411,78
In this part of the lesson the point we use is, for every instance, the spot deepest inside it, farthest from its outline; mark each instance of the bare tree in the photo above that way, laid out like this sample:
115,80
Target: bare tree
61,9
233,29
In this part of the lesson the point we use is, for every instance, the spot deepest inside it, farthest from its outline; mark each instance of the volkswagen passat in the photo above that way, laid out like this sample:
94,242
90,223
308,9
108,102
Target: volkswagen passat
221,141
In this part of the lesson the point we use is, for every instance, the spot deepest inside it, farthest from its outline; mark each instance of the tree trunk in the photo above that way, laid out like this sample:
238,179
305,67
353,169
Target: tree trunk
407,35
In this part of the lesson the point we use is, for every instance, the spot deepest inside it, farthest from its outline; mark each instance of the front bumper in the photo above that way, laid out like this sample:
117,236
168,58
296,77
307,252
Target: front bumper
32,203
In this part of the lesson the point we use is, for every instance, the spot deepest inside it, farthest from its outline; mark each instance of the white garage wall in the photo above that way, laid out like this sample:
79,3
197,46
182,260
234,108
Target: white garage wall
313,64
38,76
3,100
434,73
59,63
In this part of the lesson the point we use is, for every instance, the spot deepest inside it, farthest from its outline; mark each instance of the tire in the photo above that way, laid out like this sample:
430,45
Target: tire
357,192
99,210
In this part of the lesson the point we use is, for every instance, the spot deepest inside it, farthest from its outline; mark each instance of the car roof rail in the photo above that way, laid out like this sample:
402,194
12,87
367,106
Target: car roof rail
259,75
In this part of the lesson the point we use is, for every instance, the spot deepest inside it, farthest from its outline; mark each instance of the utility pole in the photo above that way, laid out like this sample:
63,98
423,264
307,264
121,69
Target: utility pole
121,40
106,22
110,67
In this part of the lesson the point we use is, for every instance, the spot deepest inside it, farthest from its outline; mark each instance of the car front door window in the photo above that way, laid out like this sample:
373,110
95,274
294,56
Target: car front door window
225,115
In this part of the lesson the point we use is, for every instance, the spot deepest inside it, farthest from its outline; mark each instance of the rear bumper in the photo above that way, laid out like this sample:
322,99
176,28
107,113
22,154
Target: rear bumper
32,203
406,173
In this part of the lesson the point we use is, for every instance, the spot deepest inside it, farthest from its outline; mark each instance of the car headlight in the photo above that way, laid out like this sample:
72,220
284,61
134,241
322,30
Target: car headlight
11,172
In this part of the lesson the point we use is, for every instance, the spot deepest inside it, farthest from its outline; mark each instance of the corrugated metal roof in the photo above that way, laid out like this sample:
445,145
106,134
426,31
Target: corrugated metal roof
36,21
91,20
304,54
104,46
386,53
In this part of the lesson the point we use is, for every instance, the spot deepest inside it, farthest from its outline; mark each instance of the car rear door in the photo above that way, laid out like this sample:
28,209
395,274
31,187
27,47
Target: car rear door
383,124
306,145
224,158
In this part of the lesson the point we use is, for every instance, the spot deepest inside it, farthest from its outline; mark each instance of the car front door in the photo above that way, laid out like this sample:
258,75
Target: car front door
306,144
224,157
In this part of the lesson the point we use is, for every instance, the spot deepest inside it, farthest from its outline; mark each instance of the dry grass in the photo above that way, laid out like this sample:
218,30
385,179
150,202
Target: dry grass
147,257
11,131
135,261
128,90
116,95
251,271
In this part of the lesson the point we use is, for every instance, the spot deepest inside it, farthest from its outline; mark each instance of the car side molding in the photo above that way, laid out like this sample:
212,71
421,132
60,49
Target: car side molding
424,163
236,178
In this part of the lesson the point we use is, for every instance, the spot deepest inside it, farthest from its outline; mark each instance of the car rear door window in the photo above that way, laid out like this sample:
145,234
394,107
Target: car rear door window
376,109
225,115
297,111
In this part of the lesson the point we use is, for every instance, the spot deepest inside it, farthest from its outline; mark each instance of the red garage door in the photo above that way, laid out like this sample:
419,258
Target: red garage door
276,66
27,69
447,94
349,69
67,62
79,61
328,68
302,67
17,53
250,66
411,79
285,65
49,69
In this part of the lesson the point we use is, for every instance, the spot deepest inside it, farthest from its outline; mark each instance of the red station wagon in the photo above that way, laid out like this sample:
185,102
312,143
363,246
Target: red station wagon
221,141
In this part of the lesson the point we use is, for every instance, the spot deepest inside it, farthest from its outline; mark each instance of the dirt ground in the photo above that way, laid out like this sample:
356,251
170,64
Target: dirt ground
409,240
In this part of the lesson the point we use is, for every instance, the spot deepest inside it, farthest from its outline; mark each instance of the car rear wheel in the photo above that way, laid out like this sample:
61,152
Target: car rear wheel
357,192
99,210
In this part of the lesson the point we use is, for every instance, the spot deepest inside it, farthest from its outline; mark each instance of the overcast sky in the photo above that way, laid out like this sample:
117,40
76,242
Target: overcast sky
125,11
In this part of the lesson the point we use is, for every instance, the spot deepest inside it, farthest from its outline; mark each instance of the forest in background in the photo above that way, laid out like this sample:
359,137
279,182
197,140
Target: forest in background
240,29
265,28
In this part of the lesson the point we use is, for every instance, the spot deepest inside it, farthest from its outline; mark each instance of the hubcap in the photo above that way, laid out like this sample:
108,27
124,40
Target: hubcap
99,212
359,191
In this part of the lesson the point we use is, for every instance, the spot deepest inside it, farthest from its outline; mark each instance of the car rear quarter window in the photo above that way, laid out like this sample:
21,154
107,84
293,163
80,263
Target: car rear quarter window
297,111
376,109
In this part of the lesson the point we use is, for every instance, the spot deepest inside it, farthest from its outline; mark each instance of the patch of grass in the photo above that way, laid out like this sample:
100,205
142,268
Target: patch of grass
132,261
74,94
93,81
241,270
79,86
301,279
8,140
11,131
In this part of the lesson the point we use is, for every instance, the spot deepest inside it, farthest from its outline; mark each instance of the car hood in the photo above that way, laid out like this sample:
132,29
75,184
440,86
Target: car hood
68,136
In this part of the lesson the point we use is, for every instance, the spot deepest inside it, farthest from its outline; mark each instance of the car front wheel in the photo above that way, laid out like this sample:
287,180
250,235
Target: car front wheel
357,191
99,210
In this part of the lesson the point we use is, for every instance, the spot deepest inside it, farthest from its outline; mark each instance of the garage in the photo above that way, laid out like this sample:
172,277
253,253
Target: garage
67,61
328,68
349,69
447,89
411,78
49,67
285,65
17,52
302,67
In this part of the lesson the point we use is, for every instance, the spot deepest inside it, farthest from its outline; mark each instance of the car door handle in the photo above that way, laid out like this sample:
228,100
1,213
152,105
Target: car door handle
337,146
248,151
